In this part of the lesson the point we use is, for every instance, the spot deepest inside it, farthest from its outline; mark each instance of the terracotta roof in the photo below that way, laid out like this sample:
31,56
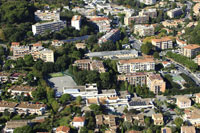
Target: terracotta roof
37,44
198,95
156,116
92,100
16,123
15,44
30,105
198,56
99,19
134,131
155,77
165,62
191,46
83,61
183,99
63,129
164,39
76,17
188,129
18,74
136,61
79,119
8,104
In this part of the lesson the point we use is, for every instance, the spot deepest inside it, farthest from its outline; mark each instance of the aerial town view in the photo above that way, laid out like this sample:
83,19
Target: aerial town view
99,66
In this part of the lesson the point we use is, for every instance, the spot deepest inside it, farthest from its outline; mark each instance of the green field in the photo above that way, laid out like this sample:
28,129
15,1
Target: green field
58,74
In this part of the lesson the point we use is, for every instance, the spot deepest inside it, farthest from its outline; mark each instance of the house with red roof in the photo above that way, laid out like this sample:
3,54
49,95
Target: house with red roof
63,129
78,122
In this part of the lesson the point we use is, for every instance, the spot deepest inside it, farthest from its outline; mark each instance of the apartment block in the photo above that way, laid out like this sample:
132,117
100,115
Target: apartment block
152,13
136,19
87,64
190,50
20,51
46,55
137,79
113,35
148,2
102,23
158,119
41,28
19,90
13,45
76,22
155,83
175,12
183,102
163,43
133,65
47,15
192,117
188,129
143,30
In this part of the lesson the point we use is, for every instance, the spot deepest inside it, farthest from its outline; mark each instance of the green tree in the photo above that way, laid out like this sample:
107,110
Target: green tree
178,122
96,108
147,121
156,55
65,98
78,100
24,129
146,48
55,106
28,60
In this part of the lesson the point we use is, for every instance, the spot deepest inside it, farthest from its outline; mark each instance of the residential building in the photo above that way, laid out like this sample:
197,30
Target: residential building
180,43
76,22
197,59
144,19
101,23
172,23
163,43
133,65
148,2
188,129
4,77
20,51
196,9
41,28
57,43
46,55
143,30
87,64
190,50
119,54
197,100
113,35
166,130
183,102
139,118
62,129
19,90
80,45
47,15
15,76
152,13
158,119
6,105
137,78
13,45
192,117
30,108
166,64
175,12
78,122
140,103
109,120
155,83
13,124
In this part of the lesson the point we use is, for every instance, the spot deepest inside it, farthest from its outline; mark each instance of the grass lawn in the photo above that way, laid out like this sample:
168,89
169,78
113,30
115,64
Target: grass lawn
59,74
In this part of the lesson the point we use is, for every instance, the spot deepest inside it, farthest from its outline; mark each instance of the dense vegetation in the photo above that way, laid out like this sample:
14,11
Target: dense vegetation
192,34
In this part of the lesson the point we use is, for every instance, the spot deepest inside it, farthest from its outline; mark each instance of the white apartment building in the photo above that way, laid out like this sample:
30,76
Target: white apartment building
133,65
47,55
143,30
148,2
175,12
76,22
40,28
47,15
113,35
163,43
152,13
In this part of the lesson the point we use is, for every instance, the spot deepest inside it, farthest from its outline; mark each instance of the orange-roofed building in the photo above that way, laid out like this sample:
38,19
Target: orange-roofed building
156,83
78,122
13,45
63,129
197,59
163,43
190,50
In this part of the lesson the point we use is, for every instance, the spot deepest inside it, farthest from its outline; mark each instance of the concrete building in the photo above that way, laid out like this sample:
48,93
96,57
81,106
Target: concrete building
163,43
152,13
155,83
188,129
192,117
6,105
190,50
183,102
46,55
196,9
62,129
87,64
140,103
47,15
175,12
102,23
158,119
143,30
76,22
113,35
133,65
78,122
13,124
136,19
41,28
119,54
148,2
137,79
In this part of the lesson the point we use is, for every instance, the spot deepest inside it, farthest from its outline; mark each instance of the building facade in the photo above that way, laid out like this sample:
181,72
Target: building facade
143,30
190,50
175,12
76,22
163,43
113,35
